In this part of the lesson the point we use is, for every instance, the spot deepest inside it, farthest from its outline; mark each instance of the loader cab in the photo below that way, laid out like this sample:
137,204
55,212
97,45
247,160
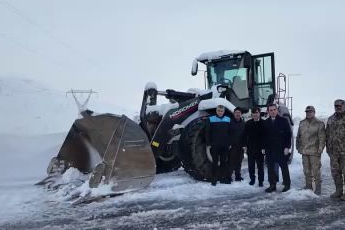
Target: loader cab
250,78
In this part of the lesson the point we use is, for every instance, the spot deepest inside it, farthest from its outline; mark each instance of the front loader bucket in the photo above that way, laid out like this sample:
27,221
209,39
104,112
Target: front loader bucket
114,149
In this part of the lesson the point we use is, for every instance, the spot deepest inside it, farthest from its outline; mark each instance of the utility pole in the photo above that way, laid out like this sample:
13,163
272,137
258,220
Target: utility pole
82,106
288,77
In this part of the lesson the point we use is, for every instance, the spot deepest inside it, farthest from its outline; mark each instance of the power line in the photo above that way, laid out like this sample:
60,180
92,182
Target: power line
45,30
29,49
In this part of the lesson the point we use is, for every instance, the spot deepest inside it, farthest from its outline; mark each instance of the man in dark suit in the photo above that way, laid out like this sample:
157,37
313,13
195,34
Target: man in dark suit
277,144
237,126
253,141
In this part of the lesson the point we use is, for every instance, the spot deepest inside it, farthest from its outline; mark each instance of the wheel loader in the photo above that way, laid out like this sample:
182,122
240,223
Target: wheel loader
114,149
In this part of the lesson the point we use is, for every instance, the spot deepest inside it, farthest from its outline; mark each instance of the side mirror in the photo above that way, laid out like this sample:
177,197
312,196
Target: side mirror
194,67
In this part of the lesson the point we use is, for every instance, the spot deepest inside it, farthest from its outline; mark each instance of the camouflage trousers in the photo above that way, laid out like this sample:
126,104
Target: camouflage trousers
312,169
337,162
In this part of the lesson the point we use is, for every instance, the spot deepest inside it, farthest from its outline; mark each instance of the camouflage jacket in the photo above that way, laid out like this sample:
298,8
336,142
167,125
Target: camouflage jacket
335,134
311,137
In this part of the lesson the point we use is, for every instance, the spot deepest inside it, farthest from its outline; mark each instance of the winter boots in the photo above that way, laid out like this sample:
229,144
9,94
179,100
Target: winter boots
239,178
308,185
225,181
338,191
318,189
286,188
271,189
252,182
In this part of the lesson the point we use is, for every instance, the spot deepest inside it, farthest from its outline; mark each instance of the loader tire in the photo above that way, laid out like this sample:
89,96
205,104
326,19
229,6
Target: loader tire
193,146
167,165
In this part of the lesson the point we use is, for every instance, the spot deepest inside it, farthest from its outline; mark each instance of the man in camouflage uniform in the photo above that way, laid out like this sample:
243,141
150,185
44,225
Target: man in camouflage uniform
335,146
310,142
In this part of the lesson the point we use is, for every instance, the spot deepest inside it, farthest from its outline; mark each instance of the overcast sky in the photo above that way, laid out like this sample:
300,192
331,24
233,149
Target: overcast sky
115,47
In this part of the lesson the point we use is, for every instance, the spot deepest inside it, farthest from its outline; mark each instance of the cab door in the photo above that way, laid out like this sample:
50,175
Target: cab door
263,78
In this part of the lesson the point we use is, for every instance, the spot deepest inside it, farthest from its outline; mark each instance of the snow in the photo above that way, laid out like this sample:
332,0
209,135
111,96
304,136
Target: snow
172,196
198,92
214,102
213,55
161,109
71,175
217,54
150,85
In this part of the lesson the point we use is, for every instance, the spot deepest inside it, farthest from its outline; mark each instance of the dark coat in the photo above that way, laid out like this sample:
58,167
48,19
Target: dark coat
218,131
253,137
277,136
237,133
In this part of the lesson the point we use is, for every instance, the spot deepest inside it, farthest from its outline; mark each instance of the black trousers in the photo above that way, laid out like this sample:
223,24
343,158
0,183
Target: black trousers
257,159
236,158
272,177
219,154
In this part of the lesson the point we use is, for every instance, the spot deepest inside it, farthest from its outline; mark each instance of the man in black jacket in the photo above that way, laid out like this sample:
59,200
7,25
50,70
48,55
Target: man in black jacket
217,144
277,142
237,126
253,141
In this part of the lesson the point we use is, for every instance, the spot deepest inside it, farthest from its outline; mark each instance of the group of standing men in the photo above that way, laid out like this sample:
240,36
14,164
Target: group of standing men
312,136
227,140
224,144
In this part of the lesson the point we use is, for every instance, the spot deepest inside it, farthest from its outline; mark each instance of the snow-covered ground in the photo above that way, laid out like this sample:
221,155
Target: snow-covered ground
176,201
171,201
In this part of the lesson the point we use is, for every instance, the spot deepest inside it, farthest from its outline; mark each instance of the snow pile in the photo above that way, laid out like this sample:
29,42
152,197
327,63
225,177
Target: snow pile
71,175
300,194
73,184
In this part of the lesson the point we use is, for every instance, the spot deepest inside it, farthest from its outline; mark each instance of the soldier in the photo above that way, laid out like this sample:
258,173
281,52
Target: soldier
277,144
335,146
253,142
310,142
217,144
237,126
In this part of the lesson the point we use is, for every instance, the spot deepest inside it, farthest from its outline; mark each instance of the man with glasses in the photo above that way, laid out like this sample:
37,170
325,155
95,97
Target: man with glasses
277,144
310,142
335,146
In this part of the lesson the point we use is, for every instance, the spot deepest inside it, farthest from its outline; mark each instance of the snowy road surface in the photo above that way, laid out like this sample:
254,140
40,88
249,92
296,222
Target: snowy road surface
175,201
